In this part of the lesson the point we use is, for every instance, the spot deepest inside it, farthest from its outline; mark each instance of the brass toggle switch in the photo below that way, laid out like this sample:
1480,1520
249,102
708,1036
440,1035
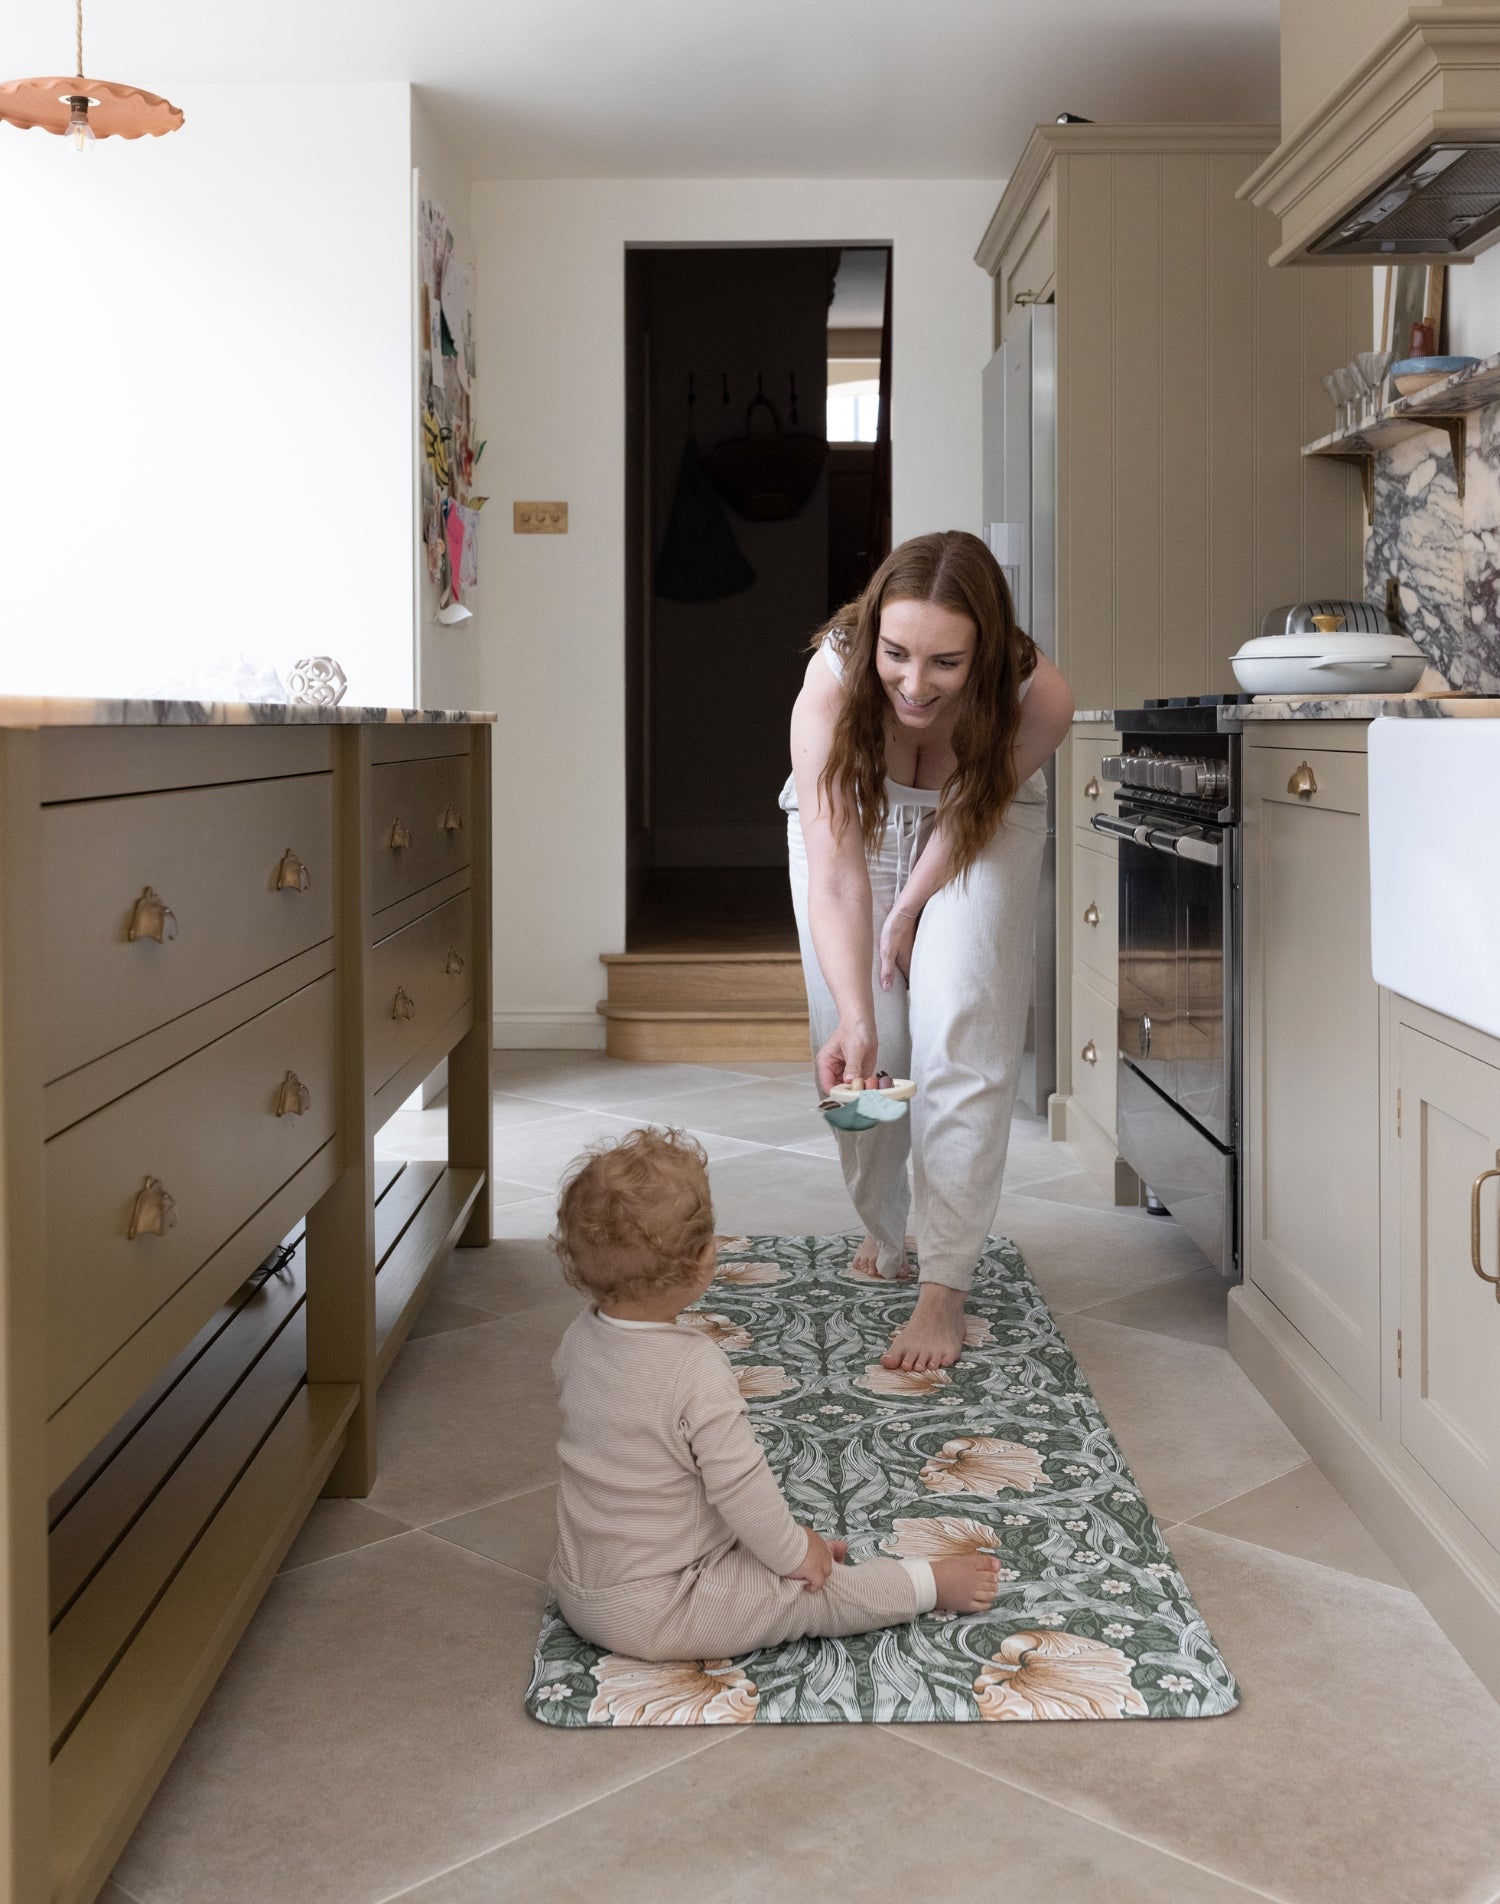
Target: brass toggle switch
541,518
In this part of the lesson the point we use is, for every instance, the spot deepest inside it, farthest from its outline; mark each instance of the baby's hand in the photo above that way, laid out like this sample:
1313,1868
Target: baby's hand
817,1563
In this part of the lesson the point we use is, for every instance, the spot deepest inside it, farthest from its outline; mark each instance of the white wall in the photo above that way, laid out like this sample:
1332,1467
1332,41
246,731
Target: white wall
550,305
205,395
1472,295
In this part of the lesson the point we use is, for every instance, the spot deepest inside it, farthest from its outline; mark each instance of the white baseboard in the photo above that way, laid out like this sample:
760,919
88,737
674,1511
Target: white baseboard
1455,1578
548,1031
1096,1151
674,846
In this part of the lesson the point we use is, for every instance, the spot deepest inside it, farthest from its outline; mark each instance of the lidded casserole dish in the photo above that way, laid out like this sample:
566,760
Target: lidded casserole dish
1328,648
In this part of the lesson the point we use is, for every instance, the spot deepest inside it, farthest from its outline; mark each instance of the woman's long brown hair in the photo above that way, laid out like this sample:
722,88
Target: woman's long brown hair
953,570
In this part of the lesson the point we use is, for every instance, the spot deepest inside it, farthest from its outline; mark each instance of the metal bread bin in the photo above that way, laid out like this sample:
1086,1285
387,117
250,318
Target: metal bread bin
1297,618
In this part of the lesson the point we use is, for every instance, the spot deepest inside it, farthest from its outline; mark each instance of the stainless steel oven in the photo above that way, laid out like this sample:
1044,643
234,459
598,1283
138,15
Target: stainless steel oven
1176,819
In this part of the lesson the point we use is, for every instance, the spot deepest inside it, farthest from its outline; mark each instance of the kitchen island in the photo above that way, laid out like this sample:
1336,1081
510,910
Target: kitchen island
233,939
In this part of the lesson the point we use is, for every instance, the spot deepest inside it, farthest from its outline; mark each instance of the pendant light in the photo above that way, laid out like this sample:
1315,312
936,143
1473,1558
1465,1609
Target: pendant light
86,109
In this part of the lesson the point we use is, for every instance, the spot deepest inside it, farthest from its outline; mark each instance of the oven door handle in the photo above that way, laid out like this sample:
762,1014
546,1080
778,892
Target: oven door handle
1181,843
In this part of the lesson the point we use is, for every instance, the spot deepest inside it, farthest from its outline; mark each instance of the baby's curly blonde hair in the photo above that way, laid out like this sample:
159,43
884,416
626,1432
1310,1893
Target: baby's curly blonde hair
635,1215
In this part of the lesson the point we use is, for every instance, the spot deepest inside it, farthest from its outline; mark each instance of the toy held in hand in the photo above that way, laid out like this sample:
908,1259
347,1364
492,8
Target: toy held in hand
863,1103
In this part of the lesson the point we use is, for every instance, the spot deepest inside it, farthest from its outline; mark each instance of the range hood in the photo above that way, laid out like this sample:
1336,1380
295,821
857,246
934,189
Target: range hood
1402,162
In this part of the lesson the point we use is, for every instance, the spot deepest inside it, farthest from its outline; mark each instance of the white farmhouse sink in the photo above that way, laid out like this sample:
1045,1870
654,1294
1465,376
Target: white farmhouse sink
1435,864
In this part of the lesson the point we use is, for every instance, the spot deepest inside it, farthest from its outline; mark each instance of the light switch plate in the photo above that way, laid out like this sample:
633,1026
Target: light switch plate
541,518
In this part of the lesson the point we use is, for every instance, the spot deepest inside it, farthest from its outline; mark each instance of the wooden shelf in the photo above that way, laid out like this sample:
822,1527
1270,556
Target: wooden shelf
1444,406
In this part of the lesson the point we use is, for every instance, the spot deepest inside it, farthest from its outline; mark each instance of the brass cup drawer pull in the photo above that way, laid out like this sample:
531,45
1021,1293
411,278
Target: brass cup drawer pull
1476,1252
1091,914
454,963
293,1099
1303,783
404,1005
292,875
400,837
152,918
1091,787
1090,1053
153,1212
453,820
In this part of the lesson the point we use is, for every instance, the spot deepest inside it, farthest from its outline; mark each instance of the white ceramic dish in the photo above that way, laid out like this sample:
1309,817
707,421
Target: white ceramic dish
898,1090
1329,664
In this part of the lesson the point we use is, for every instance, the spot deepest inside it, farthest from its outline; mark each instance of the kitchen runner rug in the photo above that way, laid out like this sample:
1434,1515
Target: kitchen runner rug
1007,1452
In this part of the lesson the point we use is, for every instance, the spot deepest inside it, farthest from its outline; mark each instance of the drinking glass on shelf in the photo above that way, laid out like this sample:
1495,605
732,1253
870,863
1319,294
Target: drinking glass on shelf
1373,364
1347,382
1335,397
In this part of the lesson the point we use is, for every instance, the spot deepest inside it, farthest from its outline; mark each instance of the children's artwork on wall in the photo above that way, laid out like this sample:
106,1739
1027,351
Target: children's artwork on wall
450,514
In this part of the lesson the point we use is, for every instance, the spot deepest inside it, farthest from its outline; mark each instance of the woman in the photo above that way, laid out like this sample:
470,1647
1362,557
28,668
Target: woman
916,820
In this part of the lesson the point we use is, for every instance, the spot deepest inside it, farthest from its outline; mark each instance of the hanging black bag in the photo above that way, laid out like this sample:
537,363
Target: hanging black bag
766,475
700,561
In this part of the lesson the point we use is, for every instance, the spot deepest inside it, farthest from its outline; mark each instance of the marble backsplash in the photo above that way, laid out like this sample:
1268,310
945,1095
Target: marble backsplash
1445,553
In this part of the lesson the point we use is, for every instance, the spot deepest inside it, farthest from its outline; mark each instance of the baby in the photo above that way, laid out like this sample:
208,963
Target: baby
673,1539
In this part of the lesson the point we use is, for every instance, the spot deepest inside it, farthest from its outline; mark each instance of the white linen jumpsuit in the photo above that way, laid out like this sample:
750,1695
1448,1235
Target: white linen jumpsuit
956,1027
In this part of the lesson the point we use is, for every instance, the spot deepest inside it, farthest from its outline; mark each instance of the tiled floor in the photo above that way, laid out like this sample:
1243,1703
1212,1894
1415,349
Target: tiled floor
367,1741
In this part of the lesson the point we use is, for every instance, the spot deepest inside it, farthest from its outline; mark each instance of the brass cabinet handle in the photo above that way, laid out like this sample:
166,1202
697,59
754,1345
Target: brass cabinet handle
1090,1053
1475,1251
1091,914
403,1006
455,963
153,1213
400,837
152,918
453,820
291,874
1091,788
293,1099
1303,782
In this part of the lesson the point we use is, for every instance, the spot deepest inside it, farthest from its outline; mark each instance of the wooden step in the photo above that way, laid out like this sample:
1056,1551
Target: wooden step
704,1008
676,981
708,1036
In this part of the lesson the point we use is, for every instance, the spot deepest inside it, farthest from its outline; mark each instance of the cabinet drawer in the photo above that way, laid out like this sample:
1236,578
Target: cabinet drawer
420,825
1091,794
1094,1055
1096,933
209,1132
1309,777
412,990
213,856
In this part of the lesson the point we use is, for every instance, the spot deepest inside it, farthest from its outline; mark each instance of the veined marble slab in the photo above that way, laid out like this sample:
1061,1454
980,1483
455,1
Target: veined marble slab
27,711
1093,716
1361,707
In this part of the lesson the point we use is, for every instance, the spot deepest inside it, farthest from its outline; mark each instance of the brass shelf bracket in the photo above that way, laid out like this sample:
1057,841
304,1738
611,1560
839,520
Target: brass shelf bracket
1457,431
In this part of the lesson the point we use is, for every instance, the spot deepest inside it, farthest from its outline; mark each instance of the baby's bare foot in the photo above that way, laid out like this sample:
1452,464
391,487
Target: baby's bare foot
967,1584
933,1334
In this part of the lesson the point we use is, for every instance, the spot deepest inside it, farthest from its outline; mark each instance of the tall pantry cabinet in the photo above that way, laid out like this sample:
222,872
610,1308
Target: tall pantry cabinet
1188,377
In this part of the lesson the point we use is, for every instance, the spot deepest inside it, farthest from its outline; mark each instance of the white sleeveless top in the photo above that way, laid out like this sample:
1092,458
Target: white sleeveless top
922,798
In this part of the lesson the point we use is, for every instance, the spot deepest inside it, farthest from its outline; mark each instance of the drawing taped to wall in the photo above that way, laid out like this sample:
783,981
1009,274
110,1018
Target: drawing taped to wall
445,327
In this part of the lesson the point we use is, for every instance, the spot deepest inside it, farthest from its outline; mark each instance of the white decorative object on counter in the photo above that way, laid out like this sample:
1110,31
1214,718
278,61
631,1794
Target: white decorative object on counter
1435,865
317,682
1329,664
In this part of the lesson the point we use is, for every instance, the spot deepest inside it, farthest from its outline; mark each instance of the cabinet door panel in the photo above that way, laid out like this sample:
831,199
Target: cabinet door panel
1313,1059
1450,1320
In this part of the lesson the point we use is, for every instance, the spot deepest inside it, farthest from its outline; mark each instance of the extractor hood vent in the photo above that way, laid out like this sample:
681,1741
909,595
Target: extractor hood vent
1444,201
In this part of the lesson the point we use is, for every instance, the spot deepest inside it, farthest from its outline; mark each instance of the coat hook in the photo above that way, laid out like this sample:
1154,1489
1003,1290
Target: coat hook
792,401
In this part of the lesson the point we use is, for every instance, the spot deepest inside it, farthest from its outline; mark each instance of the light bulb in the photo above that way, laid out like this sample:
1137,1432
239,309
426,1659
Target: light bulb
79,129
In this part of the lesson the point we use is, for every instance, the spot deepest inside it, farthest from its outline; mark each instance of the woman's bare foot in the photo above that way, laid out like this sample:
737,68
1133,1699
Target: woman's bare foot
967,1584
933,1334
867,1262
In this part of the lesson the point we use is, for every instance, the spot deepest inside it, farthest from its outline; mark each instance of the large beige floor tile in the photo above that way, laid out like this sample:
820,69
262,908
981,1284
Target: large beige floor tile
532,1218
512,1277
520,1532
781,1193
368,1733
824,1811
1192,1426
1080,1257
465,1418
586,1081
338,1527
756,1110
1194,1307
1073,1185
539,1154
800,1071
1302,1513
1356,1771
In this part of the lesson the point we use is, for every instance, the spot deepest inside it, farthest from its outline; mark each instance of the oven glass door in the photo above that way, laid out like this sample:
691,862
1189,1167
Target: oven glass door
1174,978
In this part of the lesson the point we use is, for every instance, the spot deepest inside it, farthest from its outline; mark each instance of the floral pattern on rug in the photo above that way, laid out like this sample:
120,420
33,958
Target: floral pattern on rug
1005,1453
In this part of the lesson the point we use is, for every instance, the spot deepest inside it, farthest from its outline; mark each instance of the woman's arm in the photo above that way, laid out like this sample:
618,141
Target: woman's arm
1046,714
838,883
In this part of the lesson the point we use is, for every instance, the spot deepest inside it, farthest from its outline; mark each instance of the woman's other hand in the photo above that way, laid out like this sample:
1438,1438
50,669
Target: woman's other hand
850,1053
897,936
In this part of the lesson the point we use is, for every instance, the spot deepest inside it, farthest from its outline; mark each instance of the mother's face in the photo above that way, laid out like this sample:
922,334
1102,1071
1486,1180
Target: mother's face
923,654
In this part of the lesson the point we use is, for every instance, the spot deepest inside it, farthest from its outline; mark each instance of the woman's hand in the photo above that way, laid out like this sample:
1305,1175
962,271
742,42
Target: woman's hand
850,1053
897,936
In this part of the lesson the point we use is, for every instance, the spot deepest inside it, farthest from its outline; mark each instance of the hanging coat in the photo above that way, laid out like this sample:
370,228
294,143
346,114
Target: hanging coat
700,561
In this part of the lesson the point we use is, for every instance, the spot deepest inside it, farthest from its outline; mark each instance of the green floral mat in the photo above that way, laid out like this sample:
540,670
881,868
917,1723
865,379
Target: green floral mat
1007,1452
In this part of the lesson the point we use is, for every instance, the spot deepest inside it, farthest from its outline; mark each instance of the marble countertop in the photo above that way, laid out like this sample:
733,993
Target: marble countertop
1361,707
1093,717
26,711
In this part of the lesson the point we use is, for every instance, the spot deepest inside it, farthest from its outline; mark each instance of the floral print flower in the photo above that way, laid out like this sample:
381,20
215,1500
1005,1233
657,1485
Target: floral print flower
901,1381
1174,1682
1160,1567
1056,1676
977,1332
977,1464
1116,1587
1121,1495
549,1695
748,1275
729,1335
1117,1630
1037,1408
1075,1527
700,1692
756,1384
1035,1436
1017,1520
940,1537
731,1245
1086,1557
1073,1468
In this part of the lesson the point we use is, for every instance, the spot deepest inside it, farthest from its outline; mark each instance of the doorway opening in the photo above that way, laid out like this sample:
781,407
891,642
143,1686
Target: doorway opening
757,501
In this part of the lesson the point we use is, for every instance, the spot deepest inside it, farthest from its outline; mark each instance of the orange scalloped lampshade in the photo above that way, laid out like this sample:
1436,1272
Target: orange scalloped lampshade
113,109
